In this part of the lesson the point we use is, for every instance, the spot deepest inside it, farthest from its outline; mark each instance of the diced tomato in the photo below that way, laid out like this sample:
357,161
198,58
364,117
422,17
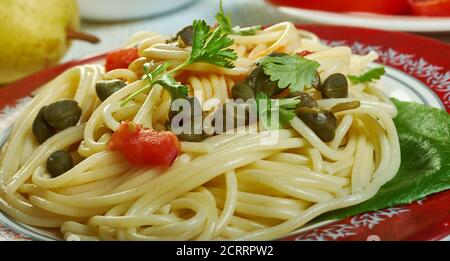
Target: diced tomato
394,7
430,7
305,53
120,59
143,146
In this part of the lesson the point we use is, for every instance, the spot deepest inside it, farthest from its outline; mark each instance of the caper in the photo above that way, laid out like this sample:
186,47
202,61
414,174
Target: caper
192,137
316,82
344,106
335,86
233,114
104,89
194,106
41,129
188,136
242,90
62,114
59,162
185,36
195,113
261,82
322,122
305,100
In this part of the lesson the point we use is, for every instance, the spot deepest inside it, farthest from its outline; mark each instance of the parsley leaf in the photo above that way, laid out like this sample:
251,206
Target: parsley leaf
173,87
290,70
371,75
224,21
275,113
211,47
287,109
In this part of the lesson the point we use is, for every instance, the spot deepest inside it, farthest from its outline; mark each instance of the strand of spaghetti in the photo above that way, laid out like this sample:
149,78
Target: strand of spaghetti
341,131
359,165
87,188
133,221
261,37
122,74
161,112
22,204
190,227
77,228
261,210
30,219
66,210
230,203
150,41
290,158
212,215
246,224
144,115
291,169
262,200
339,165
85,92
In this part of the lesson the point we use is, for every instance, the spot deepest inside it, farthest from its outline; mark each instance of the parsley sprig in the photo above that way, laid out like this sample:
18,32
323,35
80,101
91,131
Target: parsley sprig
208,46
276,113
211,47
224,21
369,76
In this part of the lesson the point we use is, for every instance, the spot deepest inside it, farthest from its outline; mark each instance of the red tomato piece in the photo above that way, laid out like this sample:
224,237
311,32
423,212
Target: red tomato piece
120,59
143,146
305,53
393,7
430,7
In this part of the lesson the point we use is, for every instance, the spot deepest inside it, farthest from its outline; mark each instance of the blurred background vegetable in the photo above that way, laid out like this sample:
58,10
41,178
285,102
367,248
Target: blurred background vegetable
36,34
430,7
371,6
387,7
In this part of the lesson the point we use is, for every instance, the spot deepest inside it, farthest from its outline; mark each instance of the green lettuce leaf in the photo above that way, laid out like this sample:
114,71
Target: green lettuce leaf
424,134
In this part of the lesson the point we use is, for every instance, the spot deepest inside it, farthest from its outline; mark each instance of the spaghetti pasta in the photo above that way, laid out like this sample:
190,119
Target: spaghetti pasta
229,186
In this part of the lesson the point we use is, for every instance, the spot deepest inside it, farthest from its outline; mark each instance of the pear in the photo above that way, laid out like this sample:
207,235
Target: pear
35,34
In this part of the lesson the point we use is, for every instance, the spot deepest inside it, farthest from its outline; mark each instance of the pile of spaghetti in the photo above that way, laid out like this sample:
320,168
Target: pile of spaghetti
94,156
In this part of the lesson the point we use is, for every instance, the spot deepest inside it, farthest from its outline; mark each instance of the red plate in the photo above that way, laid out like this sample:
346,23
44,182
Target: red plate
422,65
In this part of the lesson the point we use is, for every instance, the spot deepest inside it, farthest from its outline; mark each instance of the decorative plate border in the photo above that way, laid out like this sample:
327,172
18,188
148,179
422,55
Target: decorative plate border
6,234
360,227
337,231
